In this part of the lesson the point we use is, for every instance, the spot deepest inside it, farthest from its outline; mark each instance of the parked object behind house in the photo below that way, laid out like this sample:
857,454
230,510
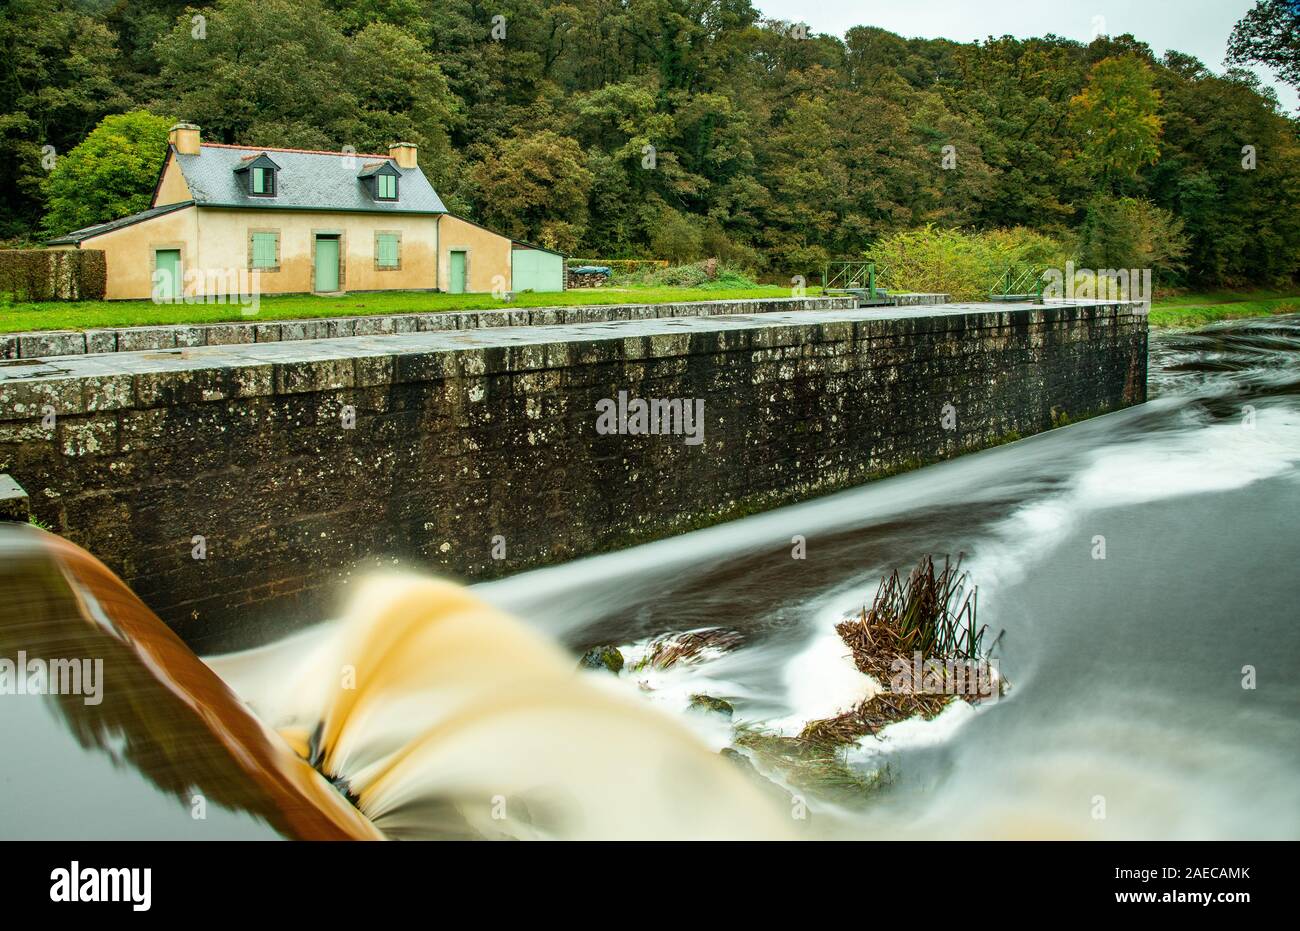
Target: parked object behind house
589,276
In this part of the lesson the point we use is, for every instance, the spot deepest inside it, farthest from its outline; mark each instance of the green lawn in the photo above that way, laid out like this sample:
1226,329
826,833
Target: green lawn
1190,310
56,315
1186,310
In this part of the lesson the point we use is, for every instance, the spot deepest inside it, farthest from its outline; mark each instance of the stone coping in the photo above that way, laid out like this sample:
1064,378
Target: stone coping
99,382
42,344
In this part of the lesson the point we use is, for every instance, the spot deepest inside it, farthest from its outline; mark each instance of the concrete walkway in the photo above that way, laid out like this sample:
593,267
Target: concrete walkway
196,358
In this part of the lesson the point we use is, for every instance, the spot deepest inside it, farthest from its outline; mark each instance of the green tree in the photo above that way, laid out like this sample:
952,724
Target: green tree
111,174
400,91
535,187
1129,232
1015,95
1269,34
780,149
261,72
56,82
1117,118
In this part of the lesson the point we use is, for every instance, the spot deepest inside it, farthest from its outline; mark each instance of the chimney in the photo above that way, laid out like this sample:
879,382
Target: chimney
403,153
184,138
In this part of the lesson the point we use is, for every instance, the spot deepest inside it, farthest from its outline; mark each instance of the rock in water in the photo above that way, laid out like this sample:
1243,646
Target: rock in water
602,657
709,703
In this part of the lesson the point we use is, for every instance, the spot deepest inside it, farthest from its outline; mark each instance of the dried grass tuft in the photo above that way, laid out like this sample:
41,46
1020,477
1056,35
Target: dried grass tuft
934,614
672,649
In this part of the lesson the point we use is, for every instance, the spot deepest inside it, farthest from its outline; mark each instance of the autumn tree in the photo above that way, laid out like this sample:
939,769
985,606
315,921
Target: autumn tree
1117,118
535,188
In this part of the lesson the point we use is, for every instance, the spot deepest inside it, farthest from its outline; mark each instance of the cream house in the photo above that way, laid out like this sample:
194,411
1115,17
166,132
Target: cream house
294,221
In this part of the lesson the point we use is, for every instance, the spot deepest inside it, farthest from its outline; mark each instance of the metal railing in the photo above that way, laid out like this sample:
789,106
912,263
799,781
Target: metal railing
1019,282
853,276
1012,282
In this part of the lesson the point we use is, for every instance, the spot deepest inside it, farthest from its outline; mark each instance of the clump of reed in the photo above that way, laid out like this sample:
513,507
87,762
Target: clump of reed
672,649
870,716
932,614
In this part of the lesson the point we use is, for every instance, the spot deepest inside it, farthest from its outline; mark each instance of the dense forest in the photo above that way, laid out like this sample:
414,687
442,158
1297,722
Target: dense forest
669,128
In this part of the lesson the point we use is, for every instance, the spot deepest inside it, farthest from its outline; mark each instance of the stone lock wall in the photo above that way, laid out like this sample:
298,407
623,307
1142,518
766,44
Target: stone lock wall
300,464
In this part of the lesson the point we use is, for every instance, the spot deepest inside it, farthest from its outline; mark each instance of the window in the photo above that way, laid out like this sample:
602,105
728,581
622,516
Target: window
262,181
388,250
385,187
258,175
264,251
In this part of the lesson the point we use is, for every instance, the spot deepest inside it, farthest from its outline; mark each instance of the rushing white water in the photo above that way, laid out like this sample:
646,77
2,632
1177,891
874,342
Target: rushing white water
1141,567
442,717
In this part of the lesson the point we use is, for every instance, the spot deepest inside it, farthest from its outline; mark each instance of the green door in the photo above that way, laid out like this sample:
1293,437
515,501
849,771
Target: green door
457,283
167,275
327,263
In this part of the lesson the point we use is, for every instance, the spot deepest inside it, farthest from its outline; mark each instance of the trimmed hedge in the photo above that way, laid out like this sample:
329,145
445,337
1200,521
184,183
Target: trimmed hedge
623,265
53,274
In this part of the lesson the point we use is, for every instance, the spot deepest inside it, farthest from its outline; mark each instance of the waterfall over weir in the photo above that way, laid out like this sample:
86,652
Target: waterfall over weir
443,717
434,714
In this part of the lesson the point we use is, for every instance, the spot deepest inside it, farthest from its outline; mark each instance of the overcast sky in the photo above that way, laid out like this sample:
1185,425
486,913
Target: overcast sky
1196,27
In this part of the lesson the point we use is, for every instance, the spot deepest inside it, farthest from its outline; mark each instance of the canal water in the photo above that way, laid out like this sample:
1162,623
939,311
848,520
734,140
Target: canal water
1141,568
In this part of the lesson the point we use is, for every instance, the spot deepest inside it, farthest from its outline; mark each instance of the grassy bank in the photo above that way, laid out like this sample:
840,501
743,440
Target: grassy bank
1185,310
1191,310
55,315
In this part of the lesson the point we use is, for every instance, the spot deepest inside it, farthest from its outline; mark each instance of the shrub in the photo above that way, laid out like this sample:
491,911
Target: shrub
962,264
676,238
726,250
53,274
707,274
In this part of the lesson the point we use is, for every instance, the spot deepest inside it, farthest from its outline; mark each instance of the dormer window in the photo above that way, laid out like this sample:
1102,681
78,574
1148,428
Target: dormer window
259,174
263,181
380,179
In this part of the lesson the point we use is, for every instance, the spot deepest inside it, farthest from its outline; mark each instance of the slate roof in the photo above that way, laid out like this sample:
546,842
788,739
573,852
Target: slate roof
99,228
306,181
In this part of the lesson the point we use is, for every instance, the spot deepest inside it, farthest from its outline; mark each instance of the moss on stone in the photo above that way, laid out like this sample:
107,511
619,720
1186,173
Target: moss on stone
602,657
711,703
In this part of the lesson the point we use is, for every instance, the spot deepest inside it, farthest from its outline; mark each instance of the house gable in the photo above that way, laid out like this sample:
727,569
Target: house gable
171,187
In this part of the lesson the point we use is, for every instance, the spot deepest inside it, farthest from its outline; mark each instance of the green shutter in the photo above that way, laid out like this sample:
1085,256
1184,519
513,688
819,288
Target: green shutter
264,250
387,250
259,181
387,186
